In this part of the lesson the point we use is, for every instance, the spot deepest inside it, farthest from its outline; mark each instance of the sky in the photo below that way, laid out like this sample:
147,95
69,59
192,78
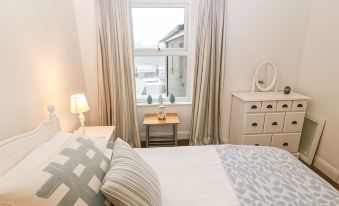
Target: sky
152,24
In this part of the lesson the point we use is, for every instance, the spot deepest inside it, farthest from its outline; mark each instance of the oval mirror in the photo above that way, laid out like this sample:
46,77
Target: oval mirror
265,77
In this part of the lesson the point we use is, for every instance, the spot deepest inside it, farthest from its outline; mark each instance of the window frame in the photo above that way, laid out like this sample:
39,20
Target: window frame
186,51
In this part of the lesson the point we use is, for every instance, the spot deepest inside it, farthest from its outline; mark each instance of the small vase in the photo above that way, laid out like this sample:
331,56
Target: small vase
149,99
160,99
287,90
161,113
172,98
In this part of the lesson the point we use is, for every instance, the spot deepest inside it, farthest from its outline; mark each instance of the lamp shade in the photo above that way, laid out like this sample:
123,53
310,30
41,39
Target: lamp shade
79,103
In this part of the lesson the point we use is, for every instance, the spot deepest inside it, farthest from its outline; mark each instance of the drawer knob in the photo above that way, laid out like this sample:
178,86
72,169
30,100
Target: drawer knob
254,107
254,124
285,144
294,122
285,106
300,105
269,106
256,144
274,123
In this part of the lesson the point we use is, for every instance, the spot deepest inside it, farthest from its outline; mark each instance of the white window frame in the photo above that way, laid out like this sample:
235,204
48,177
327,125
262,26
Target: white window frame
188,44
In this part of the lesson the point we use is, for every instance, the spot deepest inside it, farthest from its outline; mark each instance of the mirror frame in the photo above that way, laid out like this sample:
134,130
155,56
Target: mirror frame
316,139
255,78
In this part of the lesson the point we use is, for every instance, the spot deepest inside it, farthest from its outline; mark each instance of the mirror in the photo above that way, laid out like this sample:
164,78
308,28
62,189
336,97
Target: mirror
265,78
310,137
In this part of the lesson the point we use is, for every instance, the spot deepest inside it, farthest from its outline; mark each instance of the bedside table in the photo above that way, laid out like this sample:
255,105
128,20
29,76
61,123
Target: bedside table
105,132
172,119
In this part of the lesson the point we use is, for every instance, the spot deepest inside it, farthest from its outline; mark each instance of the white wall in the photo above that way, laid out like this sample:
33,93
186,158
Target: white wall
262,30
318,78
86,24
40,63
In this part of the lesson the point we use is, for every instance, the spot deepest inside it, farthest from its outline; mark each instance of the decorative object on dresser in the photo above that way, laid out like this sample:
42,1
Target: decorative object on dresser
172,119
79,105
287,90
268,119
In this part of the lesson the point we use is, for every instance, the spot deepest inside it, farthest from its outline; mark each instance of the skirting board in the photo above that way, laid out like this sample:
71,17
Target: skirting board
181,135
326,168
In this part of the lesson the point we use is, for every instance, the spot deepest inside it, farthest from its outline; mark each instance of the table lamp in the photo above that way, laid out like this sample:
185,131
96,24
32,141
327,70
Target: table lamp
79,105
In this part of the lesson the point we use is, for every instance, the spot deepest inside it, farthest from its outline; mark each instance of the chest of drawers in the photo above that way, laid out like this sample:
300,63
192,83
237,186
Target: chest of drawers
268,119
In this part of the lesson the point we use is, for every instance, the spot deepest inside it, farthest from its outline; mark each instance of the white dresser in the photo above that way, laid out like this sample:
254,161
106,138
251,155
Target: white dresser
268,119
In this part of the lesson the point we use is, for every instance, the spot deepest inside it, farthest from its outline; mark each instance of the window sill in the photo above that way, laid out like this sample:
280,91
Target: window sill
165,104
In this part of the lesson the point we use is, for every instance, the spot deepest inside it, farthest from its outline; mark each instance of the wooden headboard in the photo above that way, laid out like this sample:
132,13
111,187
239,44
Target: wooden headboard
15,149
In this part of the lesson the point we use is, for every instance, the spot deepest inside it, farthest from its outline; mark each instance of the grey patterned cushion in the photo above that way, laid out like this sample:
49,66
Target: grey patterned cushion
130,181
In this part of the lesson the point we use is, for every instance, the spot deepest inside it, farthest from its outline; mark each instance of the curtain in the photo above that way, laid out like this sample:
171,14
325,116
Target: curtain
209,72
117,100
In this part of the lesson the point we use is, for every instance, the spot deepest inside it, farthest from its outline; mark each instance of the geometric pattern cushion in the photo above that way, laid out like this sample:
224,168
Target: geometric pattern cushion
81,174
130,180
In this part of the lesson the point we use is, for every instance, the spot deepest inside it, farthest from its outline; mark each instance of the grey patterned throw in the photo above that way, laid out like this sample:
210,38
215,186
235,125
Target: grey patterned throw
271,176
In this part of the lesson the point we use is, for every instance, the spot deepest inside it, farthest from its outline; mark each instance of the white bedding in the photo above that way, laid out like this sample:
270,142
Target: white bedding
190,176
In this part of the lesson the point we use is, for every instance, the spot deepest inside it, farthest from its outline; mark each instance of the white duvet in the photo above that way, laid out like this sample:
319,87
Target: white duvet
190,176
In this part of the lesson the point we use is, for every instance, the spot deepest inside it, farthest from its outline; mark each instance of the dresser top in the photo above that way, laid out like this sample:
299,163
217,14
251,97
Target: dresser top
268,96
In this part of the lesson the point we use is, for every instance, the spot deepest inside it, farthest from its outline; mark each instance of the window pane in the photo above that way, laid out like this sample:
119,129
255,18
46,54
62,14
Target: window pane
164,75
158,27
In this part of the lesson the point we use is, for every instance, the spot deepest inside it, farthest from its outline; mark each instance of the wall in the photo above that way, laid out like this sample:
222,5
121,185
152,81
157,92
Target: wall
86,25
40,63
318,79
262,30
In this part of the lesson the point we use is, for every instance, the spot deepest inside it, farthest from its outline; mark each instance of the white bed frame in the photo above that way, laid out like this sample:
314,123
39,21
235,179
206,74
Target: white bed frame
15,149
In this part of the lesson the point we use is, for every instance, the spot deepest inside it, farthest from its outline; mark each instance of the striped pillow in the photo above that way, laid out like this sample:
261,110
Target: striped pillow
130,181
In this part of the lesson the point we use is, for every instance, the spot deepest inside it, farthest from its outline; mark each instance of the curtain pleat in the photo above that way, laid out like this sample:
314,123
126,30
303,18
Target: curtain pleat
209,72
117,99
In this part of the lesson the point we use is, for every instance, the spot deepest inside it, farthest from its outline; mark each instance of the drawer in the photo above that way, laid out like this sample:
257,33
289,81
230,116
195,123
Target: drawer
284,106
254,123
289,142
257,140
269,106
294,121
274,122
253,107
299,105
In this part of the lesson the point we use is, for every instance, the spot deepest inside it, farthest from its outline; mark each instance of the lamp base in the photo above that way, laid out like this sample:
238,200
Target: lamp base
82,122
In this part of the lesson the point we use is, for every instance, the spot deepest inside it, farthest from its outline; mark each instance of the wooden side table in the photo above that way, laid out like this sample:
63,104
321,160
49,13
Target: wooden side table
158,141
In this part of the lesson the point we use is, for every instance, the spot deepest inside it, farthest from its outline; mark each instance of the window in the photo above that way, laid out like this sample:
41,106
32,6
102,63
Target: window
161,50
158,27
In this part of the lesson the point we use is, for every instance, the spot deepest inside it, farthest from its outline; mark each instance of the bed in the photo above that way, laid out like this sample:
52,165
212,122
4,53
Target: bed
218,175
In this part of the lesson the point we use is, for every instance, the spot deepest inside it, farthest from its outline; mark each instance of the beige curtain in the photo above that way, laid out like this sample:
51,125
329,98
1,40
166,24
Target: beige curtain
209,72
117,100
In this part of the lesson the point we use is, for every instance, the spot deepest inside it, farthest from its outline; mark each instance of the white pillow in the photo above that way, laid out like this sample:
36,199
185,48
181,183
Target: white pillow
130,181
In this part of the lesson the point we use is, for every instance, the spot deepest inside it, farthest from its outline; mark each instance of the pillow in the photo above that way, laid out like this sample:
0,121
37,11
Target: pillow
69,175
130,181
